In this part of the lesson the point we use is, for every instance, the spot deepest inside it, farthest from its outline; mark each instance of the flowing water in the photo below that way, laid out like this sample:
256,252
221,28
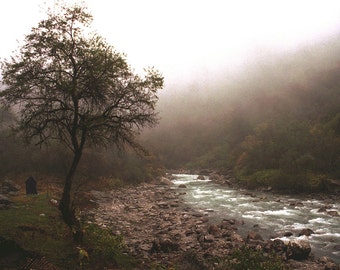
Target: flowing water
272,215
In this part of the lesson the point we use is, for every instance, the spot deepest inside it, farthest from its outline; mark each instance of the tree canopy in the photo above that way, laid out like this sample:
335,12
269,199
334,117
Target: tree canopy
76,88
69,84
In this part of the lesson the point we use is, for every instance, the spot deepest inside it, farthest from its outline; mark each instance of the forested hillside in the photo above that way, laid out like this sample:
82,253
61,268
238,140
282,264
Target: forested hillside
276,123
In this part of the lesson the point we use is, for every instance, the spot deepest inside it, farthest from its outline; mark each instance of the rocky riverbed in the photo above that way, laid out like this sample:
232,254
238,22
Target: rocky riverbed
160,229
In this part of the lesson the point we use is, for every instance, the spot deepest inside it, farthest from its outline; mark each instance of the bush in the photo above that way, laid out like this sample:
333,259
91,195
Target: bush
247,258
267,177
104,248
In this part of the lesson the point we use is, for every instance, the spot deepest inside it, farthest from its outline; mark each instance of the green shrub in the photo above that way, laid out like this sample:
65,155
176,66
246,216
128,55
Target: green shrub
266,177
247,258
315,181
269,177
104,248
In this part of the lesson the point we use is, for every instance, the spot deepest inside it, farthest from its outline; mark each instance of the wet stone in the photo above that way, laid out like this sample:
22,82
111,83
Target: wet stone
288,234
333,213
306,232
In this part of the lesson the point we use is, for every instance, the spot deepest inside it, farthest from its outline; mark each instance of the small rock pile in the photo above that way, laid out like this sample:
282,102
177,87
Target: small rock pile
7,188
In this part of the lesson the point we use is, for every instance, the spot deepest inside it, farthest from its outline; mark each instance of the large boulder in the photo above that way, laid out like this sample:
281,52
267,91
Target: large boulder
277,245
306,232
298,249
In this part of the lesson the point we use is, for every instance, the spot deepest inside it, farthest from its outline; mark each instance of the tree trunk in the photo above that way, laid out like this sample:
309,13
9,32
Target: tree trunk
65,206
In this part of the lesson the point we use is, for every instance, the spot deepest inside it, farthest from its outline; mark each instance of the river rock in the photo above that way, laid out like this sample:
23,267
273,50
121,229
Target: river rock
215,177
288,234
298,249
215,230
329,264
200,177
226,223
236,238
165,181
306,232
323,209
277,245
333,213
197,214
209,238
254,236
164,245
230,223
296,204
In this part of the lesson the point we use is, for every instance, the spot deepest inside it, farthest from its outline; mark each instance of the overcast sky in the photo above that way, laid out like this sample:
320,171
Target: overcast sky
188,40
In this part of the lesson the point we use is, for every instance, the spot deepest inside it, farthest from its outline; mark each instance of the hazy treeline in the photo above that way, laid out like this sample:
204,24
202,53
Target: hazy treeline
276,123
18,158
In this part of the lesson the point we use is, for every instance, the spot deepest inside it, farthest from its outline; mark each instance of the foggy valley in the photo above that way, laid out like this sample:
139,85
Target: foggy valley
229,158
274,92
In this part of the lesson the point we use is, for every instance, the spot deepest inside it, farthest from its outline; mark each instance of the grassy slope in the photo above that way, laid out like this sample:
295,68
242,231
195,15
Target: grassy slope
36,226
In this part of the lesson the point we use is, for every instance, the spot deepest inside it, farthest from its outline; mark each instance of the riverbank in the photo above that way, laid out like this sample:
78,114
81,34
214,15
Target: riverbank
331,187
160,229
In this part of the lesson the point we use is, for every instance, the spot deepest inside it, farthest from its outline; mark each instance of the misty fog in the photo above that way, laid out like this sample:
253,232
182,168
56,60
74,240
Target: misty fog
268,71
198,118
244,144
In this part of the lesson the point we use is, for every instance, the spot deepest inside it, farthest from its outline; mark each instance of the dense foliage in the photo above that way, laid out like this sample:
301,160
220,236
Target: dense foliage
276,125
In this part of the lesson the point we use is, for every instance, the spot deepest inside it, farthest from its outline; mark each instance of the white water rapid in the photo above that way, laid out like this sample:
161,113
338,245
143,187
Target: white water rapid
273,215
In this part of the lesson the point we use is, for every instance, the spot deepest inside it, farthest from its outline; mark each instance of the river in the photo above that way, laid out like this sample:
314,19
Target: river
269,214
